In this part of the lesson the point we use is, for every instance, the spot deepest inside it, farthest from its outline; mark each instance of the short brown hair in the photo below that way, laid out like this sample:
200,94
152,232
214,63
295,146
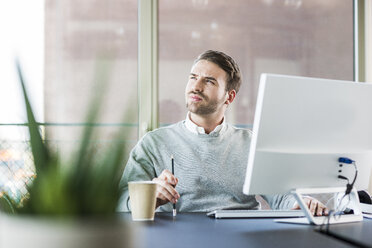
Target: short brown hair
226,63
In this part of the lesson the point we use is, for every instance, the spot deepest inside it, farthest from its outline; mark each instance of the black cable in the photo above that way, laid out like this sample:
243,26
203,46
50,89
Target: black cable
349,188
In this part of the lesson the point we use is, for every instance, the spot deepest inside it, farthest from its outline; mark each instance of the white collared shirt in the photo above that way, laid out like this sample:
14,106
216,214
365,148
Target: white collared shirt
192,127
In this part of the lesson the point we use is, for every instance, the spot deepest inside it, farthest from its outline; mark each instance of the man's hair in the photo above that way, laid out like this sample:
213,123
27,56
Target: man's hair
226,63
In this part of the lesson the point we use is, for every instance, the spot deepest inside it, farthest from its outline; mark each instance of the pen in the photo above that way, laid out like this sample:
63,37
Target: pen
174,204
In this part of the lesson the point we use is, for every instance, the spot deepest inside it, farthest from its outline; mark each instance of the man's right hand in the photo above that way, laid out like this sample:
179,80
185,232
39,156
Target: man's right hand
165,190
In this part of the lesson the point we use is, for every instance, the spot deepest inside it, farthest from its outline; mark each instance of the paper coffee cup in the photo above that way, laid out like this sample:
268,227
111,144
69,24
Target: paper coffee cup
142,196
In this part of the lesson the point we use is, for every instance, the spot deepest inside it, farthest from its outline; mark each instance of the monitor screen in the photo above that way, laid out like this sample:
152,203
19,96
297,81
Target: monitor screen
301,127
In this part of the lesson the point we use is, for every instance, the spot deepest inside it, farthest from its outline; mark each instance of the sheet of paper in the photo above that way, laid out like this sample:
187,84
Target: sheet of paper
368,216
366,208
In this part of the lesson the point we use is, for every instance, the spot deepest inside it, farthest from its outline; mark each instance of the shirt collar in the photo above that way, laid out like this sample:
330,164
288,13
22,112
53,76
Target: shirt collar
192,127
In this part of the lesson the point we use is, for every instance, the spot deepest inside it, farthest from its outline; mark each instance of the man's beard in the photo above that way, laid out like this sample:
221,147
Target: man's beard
204,108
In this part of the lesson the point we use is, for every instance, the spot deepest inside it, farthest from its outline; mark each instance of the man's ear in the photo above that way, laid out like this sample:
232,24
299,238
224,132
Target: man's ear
230,97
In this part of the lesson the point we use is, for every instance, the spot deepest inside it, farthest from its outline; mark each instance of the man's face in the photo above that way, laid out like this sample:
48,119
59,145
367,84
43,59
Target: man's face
206,89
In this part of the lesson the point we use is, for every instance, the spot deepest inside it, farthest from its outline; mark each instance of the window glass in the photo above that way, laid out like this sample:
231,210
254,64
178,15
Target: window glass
87,40
22,37
296,37
63,47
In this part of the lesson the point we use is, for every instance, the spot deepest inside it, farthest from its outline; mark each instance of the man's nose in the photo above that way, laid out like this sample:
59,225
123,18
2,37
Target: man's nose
197,85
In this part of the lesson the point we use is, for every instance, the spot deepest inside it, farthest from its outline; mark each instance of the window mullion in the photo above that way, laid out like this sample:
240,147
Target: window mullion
147,65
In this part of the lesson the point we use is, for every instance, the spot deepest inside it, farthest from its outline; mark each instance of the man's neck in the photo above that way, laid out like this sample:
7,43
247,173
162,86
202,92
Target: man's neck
208,122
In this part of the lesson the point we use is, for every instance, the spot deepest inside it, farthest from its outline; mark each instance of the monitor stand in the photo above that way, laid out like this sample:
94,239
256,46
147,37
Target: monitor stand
350,202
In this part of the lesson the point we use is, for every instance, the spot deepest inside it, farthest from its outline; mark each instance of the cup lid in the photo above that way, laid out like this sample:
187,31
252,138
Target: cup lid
141,182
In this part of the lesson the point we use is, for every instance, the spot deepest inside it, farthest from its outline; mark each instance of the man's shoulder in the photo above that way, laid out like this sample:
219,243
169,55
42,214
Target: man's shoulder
176,127
164,132
238,130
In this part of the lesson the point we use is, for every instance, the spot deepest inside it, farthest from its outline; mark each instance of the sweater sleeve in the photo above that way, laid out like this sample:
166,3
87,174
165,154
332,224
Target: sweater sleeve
139,168
284,202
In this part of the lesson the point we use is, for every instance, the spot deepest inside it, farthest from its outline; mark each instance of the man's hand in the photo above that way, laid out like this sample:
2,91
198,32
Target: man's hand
165,192
316,207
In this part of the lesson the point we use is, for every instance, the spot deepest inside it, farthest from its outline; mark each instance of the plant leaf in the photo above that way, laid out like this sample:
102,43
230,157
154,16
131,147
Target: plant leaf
40,151
6,205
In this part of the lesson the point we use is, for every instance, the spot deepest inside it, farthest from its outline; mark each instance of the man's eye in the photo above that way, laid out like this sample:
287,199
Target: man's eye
210,81
192,77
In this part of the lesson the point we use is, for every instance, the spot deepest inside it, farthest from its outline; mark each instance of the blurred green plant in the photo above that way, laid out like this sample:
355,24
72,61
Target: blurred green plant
88,184
5,204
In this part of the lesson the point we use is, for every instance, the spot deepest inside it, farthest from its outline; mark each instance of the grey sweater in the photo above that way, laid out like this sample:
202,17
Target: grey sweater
210,167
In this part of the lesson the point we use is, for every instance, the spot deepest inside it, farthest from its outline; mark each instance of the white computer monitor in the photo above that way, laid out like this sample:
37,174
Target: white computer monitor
301,127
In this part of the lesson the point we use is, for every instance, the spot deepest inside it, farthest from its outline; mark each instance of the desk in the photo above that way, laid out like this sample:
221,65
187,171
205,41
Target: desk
359,233
197,230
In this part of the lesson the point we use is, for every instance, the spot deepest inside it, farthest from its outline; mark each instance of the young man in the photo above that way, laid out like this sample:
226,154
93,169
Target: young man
210,155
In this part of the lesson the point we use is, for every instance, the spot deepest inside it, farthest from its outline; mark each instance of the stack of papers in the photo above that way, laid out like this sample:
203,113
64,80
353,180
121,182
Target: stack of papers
367,210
